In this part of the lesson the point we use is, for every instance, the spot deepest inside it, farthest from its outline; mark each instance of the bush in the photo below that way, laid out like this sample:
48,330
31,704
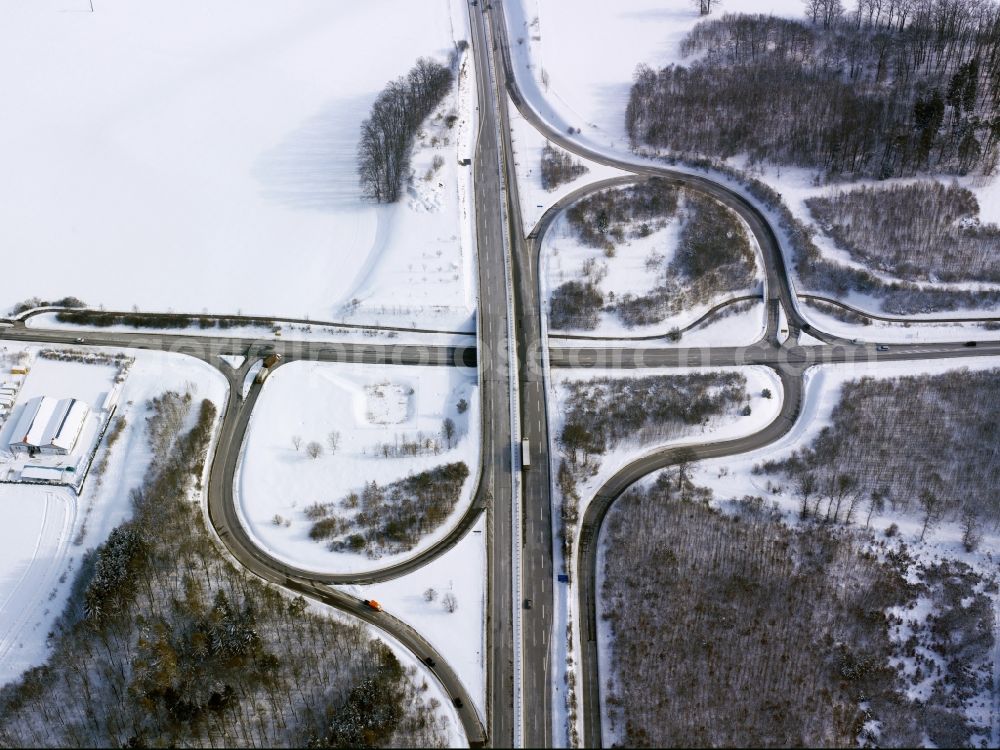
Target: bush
575,305
558,167
392,518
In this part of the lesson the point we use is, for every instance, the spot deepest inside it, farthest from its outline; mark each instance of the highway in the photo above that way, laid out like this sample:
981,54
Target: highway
494,325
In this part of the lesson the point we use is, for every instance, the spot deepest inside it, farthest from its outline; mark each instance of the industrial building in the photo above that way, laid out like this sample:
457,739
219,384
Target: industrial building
49,426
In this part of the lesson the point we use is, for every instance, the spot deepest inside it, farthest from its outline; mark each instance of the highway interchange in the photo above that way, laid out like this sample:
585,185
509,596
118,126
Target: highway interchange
509,353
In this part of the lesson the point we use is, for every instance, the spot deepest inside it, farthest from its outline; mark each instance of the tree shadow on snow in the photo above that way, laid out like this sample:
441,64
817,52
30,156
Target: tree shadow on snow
315,166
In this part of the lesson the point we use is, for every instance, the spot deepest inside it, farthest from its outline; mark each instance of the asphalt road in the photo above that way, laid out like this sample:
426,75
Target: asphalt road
493,322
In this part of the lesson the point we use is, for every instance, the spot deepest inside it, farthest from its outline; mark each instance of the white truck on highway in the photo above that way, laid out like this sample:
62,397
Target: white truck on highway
525,454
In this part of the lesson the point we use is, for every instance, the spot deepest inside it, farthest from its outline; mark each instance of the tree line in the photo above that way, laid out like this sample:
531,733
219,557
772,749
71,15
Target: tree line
878,92
388,133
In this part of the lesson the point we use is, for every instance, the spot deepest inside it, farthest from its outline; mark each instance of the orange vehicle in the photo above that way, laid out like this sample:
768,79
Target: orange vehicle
271,360
373,604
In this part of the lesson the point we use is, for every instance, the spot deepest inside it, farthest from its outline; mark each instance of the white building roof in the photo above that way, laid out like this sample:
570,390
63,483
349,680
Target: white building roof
65,426
40,424
24,422
44,421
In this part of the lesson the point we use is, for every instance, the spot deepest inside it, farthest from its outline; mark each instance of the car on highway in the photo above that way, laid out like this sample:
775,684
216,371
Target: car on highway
457,702
882,348
527,603
430,662
970,343
79,339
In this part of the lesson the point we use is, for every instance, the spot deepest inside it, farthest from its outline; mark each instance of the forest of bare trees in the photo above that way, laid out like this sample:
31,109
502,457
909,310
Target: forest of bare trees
890,89
922,231
387,135
165,643
392,518
733,629
904,444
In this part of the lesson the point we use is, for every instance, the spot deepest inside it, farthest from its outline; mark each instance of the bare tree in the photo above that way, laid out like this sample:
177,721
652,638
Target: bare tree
430,595
684,458
876,504
333,441
449,602
448,430
462,406
971,535
933,510
297,441
705,6
805,486
314,449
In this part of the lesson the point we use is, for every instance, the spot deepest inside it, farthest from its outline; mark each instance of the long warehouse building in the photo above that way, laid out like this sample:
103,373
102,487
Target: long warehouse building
48,425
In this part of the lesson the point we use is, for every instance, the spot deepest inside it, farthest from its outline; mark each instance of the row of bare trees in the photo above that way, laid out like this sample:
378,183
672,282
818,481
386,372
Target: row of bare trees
387,135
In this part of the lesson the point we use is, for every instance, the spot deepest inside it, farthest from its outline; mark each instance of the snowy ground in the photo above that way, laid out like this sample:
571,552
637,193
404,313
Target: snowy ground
287,331
144,140
460,635
898,333
47,530
565,613
90,382
763,411
313,399
732,477
574,61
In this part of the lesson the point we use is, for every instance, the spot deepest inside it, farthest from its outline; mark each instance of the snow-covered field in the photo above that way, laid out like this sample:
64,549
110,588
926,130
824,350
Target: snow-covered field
45,531
187,155
763,411
313,399
460,635
564,258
